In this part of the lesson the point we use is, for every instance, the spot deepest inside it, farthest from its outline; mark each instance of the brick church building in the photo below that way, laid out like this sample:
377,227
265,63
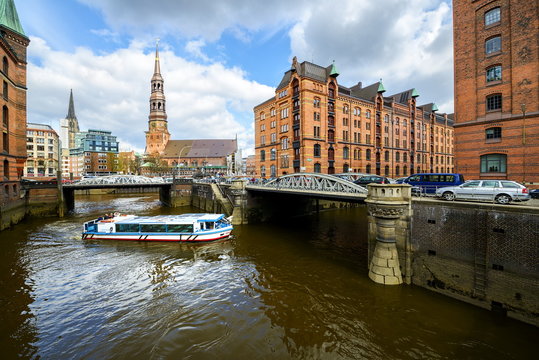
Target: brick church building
211,156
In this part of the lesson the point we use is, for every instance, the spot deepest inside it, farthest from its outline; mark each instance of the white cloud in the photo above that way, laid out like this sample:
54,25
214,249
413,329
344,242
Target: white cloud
194,48
111,92
407,46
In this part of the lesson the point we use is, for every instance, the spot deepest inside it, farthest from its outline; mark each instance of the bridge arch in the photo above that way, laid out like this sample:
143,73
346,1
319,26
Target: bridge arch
315,182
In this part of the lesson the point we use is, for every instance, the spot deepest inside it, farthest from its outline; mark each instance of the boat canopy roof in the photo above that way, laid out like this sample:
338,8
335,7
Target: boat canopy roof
170,219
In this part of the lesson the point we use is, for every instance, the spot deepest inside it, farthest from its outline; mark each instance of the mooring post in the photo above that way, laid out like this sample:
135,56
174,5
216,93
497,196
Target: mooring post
386,205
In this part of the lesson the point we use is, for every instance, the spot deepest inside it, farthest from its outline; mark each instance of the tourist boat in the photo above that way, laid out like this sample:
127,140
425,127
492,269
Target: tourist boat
180,228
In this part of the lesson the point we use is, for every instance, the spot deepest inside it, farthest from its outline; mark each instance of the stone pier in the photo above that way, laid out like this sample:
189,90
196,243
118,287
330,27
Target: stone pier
387,204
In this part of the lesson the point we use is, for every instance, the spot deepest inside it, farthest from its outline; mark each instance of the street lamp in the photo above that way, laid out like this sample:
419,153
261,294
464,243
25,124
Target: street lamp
523,108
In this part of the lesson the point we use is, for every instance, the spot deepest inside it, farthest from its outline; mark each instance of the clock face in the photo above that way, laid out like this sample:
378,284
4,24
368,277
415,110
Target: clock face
153,125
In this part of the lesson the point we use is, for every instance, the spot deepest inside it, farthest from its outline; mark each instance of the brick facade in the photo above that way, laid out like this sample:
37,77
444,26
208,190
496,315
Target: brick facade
13,47
496,89
313,124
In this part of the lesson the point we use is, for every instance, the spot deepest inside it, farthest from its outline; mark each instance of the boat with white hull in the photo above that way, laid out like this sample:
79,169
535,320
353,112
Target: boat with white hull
179,228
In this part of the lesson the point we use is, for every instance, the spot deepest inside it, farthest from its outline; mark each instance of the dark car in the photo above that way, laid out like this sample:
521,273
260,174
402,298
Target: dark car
534,193
371,179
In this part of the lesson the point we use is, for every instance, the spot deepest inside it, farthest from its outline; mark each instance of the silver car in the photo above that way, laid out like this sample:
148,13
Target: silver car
501,191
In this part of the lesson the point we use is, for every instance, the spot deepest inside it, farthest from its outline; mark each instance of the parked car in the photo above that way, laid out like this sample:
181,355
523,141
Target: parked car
534,193
430,182
370,179
501,191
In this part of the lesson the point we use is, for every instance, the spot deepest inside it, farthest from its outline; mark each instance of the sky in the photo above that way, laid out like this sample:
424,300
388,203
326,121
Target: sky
221,58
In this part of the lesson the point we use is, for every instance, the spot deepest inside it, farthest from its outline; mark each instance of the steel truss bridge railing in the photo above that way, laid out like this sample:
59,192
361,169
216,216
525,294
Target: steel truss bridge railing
118,180
314,184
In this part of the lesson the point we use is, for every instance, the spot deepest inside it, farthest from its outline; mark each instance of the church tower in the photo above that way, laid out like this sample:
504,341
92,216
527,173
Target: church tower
157,135
69,126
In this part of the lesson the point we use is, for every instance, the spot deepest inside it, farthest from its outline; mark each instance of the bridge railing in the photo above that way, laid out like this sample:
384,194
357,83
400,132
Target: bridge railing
313,182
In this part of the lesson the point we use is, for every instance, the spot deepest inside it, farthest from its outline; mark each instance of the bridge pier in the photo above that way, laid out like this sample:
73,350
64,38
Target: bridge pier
239,194
388,206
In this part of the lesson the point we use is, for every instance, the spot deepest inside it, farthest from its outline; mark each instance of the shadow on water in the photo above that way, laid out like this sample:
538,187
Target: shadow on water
294,290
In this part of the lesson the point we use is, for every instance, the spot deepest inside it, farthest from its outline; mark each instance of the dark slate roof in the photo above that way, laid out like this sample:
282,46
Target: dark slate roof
403,97
200,148
367,93
429,107
309,70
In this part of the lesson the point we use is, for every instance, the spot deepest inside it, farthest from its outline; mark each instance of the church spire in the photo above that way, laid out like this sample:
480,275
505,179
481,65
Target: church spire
157,135
9,17
71,109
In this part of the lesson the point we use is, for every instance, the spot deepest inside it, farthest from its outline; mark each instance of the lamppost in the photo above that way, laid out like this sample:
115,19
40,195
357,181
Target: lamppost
523,108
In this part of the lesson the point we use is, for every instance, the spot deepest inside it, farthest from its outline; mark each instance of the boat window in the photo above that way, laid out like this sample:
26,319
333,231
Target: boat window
153,228
126,227
180,228
209,225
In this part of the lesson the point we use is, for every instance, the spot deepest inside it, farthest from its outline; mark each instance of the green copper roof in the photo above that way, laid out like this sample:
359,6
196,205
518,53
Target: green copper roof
434,107
381,87
333,71
9,17
414,93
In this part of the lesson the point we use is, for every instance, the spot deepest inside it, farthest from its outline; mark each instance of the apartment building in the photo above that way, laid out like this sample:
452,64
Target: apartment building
42,148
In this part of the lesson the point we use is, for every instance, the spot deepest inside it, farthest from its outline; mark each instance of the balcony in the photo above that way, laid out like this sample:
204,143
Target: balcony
295,144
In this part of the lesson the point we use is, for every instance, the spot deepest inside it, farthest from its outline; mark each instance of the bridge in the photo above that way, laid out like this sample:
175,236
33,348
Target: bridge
117,181
313,185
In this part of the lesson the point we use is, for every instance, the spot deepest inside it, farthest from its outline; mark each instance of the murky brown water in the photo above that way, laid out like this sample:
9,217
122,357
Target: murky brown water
289,291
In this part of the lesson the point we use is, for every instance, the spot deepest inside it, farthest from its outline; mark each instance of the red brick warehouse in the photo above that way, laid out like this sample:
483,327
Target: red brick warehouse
496,89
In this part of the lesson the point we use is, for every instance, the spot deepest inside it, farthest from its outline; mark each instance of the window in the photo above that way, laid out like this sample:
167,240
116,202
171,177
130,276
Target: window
345,109
284,144
284,113
316,116
368,154
273,137
317,168
273,154
273,112
386,170
494,73
316,130
5,94
492,16
5,116
493,163
263,171
151,228
317,150
368,114
316,102
386,155
5,66
493,45
493,133
273,171
494,102
284,161
345,153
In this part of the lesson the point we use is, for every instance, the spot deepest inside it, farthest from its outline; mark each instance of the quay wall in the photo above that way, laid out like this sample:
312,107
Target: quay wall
484,254
34,202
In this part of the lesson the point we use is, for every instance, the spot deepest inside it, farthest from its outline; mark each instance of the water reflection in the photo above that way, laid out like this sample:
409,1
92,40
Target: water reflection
296,290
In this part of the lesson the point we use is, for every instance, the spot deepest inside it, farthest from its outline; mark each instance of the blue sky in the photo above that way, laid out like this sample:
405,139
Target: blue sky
221,58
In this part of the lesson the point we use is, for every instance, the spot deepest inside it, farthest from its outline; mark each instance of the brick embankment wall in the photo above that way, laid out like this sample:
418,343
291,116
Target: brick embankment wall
481,253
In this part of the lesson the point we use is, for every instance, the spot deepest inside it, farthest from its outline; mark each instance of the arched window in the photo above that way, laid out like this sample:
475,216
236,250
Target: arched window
368,114
355,154
317,168
331,135
368,169
386,170
397,171
345,109
6,169
273,171
386,155
331,153
345,168
368,155
5,116
346,153
5,66
331,90
492,16
273,153
317,151
404,157
405,170
397,156
418,169
493,45
262,155
359,154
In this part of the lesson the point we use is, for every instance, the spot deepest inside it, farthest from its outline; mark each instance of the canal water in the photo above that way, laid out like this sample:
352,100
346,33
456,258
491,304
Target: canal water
296,290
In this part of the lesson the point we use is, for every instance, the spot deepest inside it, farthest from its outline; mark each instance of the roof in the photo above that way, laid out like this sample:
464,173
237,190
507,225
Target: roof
200,148
34,126
9,17
403,97
309,70
168,219
71,109
368,92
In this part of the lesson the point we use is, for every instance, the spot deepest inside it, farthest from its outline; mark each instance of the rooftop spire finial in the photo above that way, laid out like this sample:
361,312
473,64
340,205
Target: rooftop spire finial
157,68
71,109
